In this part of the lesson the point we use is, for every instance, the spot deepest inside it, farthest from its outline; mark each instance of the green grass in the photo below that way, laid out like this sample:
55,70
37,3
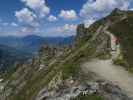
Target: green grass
89,97
104,55
72,66
120,62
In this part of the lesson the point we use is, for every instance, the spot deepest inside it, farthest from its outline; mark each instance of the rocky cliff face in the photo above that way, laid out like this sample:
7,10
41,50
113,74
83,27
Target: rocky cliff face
56,73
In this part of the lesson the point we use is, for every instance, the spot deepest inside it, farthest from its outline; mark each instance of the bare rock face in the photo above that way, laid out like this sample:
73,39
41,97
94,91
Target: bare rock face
52,51
111,92
82,34
103,88
80,31
57,80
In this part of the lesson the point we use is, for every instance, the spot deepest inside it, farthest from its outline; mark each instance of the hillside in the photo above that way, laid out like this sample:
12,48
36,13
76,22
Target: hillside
20,49
58,72
10,56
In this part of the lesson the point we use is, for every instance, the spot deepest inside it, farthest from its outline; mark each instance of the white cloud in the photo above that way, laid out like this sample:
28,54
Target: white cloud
14,24
100,8
39,6
68,27
65,30
5,24
27,29
68,14
131,9
52,18
26,16
89,22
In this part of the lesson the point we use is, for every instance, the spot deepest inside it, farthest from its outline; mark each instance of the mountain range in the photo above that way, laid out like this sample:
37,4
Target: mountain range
19,49
32,43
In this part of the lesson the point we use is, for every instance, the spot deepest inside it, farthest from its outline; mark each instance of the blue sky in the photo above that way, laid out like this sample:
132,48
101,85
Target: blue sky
53,17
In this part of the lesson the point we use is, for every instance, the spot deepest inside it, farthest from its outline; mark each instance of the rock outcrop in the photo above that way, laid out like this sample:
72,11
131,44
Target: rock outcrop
105,89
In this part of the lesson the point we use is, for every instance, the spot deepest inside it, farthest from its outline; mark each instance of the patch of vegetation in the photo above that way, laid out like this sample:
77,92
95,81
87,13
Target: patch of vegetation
122,62
72,66
89,97
70,69
104,55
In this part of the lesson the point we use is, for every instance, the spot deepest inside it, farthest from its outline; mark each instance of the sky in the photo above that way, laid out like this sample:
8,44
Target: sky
53,17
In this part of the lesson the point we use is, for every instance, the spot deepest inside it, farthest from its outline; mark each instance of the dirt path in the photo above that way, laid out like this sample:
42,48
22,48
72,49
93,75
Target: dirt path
113,73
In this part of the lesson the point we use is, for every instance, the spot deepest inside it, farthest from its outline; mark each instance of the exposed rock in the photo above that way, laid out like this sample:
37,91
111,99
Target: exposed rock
57,80
107,90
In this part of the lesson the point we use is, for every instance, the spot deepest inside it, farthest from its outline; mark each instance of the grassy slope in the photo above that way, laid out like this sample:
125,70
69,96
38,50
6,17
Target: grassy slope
69,66
89,97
